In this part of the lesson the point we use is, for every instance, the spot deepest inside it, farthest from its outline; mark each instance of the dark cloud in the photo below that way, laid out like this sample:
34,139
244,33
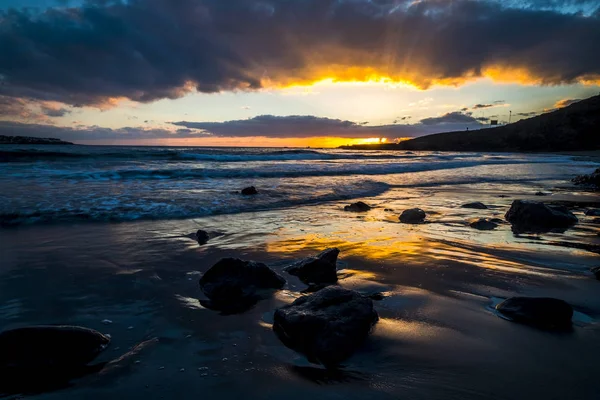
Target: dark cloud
565,103
302,126
83,133
263,126
455,117
146,50
527,114
52,111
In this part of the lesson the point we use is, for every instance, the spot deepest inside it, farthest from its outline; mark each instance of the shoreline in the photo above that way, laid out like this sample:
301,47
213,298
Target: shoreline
438,336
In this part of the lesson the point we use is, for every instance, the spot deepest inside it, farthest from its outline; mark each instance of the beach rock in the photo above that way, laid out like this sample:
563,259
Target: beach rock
592,180
50,347
476,205
596,272
544,313
413,216
542,194
327,326
535,217
202,237
593,212
483,224
358,207
249,191
321,269
234,285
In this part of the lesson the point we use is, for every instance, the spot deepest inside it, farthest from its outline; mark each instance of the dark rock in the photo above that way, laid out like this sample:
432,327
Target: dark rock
412,216
321,269
503,196
327,326
483,224
546,313
476,205
249,191
530,216
202,237
358,207
388,209
593,212
234,285
542,194
497,220
592,180
50,347
596,272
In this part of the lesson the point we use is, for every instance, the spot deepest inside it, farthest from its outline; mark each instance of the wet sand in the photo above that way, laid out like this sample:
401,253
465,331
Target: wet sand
438,337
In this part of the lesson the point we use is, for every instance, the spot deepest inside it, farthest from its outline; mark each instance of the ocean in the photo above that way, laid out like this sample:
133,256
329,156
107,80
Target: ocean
52,184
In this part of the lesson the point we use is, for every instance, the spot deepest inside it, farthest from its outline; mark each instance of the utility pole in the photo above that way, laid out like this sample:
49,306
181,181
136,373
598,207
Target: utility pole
510,117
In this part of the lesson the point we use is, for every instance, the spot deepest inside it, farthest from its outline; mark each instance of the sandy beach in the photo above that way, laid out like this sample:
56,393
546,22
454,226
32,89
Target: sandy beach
438,337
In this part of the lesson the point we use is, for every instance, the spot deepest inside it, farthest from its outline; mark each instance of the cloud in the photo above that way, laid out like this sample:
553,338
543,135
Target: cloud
144,50
455,117
565,103
303,126
270,126
29,110
52,110
494,104
528,114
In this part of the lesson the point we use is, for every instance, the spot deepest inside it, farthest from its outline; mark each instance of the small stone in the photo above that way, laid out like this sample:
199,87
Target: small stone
182,370
358,207
413,216
249,191
202,237
483,224
476,205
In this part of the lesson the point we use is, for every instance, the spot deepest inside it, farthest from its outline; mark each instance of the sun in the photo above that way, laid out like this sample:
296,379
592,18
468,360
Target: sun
371,140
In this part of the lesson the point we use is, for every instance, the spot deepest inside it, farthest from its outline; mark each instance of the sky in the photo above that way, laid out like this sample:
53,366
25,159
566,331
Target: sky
319,73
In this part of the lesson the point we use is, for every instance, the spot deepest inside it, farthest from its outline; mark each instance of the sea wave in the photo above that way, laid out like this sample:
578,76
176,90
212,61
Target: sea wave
77,153
127,208
269,171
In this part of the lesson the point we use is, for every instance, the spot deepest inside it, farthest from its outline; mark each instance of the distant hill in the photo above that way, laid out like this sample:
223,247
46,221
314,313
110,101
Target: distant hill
573,128
29,140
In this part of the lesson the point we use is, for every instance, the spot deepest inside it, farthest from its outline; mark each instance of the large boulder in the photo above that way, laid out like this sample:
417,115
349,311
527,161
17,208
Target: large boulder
321,269
546,313
483,224
50,346
39,358
233,285
327,326
249,191
535,217
476,205
358,207
413,216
